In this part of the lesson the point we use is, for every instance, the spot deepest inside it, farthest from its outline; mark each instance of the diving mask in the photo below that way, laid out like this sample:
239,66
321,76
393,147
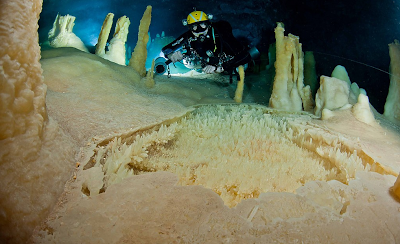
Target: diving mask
199,28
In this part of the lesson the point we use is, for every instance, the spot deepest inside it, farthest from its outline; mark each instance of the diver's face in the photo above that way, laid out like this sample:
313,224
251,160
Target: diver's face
199,29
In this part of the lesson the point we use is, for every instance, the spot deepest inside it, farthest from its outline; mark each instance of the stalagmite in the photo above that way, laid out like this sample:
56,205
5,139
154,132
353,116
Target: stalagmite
310,73
288,91
35,156
61,34
104,33
139,55
332,94
149,79
239,90
392,105
116,50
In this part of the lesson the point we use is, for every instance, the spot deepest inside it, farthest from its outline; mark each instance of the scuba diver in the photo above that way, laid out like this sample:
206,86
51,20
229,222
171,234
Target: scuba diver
209,46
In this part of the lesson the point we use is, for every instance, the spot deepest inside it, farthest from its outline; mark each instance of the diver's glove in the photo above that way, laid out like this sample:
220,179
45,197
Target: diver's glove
176,56
210,69
219,69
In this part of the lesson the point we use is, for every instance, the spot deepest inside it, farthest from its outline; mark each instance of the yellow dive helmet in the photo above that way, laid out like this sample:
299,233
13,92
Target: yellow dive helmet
196,16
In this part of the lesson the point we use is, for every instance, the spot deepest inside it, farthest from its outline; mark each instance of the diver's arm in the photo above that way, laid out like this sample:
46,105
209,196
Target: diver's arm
210,69
175,56
175,45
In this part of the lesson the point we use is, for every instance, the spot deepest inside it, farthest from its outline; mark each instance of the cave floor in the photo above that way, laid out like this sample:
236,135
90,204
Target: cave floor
95,101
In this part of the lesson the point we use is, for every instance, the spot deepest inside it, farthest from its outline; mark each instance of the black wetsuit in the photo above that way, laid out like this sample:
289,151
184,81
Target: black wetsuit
218,48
